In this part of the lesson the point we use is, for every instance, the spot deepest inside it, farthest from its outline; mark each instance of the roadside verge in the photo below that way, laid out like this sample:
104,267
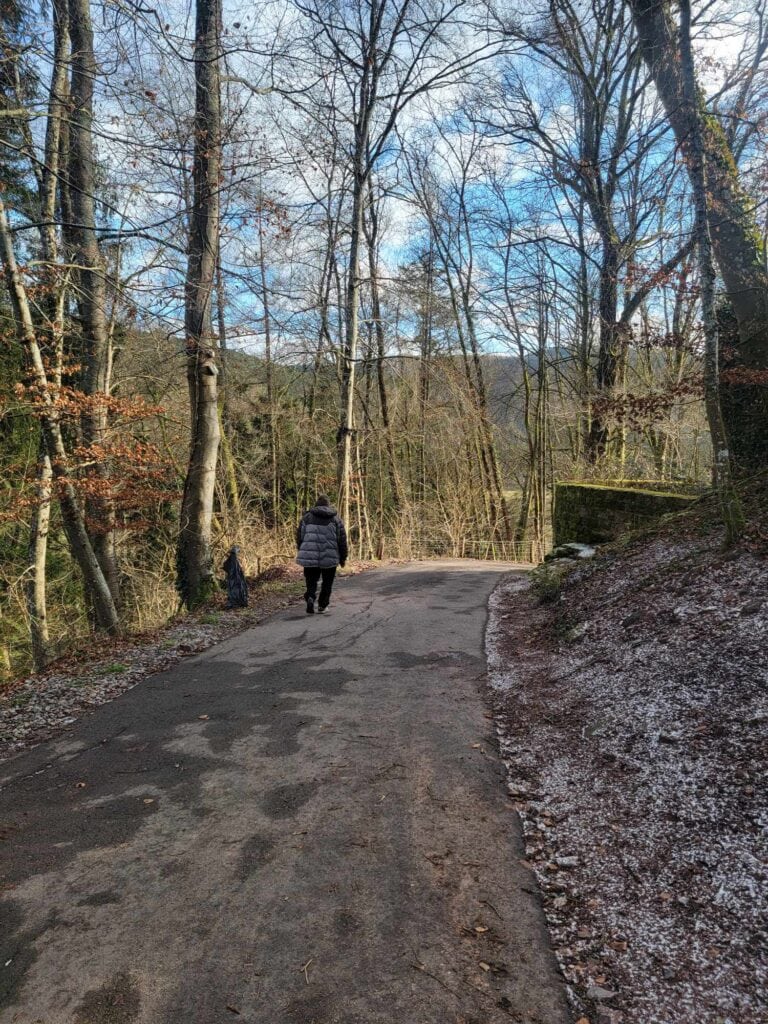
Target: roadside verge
631,711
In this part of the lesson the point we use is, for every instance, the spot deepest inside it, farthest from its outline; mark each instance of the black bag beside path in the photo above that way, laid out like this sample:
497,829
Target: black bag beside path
237,586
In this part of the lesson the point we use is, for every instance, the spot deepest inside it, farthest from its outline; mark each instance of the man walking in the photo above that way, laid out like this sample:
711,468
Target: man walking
322,543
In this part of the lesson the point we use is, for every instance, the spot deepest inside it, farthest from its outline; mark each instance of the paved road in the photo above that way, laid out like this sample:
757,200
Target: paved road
305,825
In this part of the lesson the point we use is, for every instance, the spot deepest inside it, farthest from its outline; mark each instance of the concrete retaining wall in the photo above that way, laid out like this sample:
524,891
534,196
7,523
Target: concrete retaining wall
597,513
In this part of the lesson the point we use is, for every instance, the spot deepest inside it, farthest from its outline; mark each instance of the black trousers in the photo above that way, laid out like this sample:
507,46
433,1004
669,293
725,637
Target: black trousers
312,574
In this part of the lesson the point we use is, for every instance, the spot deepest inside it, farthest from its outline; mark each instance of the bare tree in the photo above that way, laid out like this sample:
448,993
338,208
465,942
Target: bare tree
195,578
599,141
386,53
732,226
91,281
97,588
447,207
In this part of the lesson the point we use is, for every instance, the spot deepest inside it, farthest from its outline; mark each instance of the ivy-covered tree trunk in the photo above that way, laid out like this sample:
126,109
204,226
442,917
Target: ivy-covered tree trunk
734,233
195,579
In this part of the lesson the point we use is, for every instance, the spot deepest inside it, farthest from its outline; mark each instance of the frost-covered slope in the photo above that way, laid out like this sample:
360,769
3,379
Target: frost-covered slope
633,714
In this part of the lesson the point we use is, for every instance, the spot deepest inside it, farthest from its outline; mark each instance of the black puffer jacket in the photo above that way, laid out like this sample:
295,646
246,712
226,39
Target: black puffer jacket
321,538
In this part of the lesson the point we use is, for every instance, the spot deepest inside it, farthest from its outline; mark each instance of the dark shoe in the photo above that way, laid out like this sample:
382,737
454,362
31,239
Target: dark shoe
310,606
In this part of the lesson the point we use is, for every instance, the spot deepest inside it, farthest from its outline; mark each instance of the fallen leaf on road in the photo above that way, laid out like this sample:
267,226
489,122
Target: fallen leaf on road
233,1009
149,800
203,718
484,966
79,785
480,928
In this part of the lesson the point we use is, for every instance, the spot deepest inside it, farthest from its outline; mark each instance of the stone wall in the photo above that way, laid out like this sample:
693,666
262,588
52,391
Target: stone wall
597,513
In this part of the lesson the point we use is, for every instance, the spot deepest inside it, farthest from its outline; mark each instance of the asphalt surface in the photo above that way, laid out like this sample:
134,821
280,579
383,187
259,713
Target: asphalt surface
307,824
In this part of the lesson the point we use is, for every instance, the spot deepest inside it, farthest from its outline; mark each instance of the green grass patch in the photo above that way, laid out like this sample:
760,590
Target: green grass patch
547,581
282,587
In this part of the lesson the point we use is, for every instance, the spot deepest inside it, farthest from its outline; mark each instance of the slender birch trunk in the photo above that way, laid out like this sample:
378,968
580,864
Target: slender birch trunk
55,280
36,573
425,370
372,226
274,449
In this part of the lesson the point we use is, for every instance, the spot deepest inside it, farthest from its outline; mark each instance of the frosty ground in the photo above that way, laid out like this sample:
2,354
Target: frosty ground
632,713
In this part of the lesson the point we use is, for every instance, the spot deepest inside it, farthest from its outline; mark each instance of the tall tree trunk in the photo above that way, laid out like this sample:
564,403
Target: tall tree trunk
195,579
53,304
230,472
608,347
92,289
731,508
274,450
526,497
97,589
38,548
733,231
539,503
371,225
311,400
425,370
584,320
349,364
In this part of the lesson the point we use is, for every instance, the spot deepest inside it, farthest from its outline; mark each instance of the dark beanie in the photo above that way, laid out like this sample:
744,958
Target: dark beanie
323,500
